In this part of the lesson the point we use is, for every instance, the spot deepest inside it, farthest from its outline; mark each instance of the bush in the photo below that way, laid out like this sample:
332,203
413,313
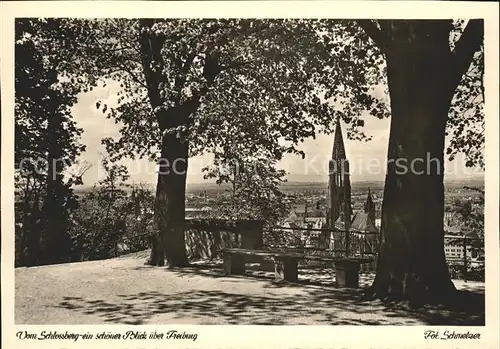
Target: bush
282,238
476,274
112,219
473,273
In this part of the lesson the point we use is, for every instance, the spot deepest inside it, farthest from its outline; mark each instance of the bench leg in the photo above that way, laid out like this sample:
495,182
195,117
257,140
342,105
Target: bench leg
347,275
286,269
234,264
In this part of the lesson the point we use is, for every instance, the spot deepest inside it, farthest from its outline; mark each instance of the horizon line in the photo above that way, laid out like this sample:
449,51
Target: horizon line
477,178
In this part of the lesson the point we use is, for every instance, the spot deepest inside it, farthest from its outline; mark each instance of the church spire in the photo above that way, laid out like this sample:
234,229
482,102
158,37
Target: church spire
370,206
338,152
339,186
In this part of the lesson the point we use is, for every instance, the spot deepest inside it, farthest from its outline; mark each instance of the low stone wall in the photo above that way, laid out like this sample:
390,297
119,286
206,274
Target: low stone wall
206,238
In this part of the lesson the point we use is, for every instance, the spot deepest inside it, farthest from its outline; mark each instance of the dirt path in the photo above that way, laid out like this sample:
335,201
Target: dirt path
125,291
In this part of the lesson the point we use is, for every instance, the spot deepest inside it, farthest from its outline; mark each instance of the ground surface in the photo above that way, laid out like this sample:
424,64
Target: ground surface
124,291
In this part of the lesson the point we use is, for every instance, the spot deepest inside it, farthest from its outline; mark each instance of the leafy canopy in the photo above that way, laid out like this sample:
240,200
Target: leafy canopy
261,84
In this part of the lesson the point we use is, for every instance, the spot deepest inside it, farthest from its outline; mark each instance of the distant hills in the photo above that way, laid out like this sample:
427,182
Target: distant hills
453,183
303,186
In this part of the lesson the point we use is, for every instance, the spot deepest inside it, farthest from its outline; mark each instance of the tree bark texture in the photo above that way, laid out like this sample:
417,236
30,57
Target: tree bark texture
422,80
170,199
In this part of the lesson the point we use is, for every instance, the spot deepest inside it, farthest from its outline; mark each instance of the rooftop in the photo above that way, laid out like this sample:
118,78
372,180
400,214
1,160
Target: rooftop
363,224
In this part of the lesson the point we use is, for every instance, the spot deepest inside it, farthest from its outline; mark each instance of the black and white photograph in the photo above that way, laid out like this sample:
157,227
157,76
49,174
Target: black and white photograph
250,171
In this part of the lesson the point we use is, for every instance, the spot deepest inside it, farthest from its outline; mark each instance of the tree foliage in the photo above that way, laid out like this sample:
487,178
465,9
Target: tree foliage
254,190
259,81
272,83
471,211
465,123
111,216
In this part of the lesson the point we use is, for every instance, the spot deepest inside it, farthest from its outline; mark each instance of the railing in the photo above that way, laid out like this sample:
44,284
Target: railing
326,242
332,239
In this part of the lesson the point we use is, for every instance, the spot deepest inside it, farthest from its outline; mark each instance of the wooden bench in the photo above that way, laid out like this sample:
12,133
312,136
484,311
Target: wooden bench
286,264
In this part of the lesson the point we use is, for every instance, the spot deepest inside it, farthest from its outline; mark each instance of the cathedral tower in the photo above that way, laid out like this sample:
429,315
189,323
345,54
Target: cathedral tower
370,206
339,184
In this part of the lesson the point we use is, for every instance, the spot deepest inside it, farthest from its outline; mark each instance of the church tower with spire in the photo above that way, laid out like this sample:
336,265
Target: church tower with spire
370,207
339,184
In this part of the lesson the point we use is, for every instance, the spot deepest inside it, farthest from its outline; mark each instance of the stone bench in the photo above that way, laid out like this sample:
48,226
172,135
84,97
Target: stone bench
286,264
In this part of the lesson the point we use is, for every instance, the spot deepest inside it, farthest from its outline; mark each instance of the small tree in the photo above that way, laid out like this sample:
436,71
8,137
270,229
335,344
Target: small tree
254,189
471,213
100,221
140,220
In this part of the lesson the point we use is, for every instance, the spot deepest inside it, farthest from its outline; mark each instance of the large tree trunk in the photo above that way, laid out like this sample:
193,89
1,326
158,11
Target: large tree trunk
171,186
411,263
170,204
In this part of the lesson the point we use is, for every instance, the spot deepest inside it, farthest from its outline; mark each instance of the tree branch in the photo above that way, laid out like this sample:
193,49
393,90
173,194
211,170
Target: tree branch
132,75
180,79
187,64
152,62
120,63
236,65
377,35
468,44
211,70
212,67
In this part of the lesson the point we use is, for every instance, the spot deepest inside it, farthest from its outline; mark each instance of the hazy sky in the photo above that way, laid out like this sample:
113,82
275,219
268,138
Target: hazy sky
366,158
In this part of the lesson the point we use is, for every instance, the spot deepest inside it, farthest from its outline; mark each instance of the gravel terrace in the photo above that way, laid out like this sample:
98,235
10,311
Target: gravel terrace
125,291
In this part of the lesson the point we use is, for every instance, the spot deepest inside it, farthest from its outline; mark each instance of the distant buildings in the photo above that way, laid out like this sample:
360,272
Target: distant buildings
194,212
306,215
455,248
